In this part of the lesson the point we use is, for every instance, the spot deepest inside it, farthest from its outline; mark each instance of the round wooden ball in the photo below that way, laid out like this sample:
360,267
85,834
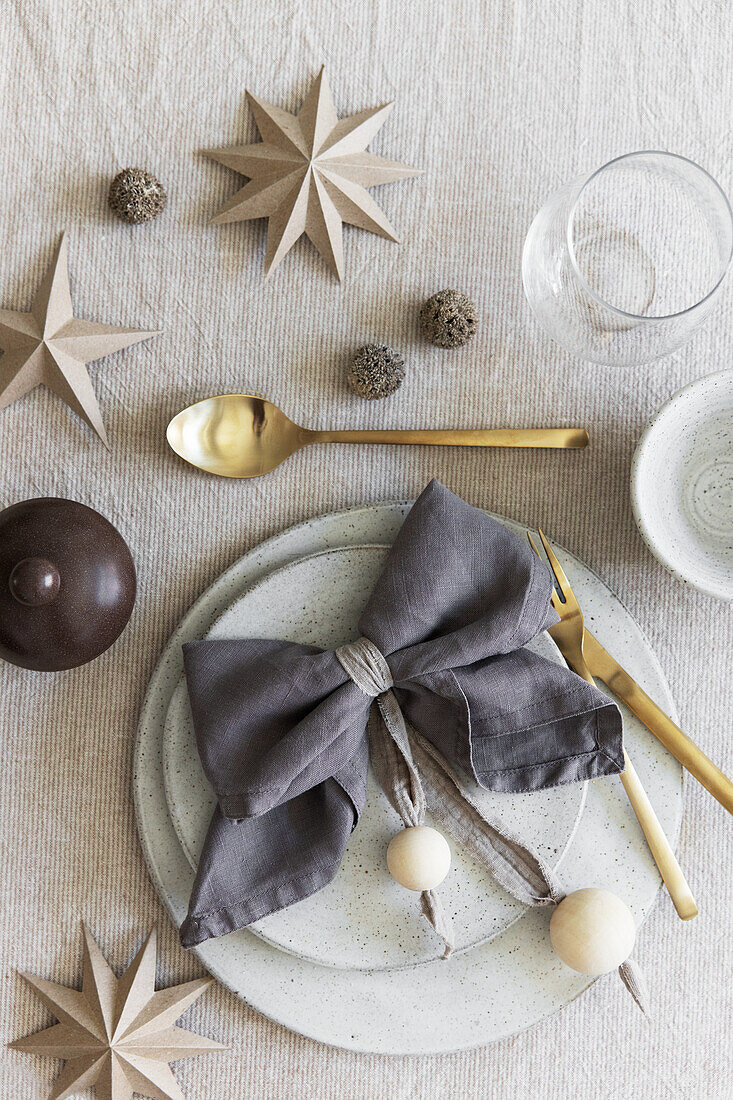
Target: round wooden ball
67,584
592,931
418,858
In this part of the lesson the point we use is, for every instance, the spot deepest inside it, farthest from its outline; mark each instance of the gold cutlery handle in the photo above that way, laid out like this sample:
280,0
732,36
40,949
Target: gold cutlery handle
659,846
496,437
665,859
682,747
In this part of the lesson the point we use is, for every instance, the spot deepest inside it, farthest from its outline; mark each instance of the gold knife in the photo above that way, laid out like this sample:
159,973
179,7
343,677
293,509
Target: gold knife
603,665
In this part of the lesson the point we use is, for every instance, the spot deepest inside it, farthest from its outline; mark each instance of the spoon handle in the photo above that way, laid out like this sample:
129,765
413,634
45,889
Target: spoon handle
496,437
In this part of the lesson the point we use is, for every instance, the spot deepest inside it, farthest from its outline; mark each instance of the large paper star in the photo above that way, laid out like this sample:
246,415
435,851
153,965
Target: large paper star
117,1034
50,345
309,174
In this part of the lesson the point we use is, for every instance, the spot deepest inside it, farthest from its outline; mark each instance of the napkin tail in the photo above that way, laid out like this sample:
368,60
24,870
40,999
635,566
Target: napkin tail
633,978
392,760
391,757
437,918
523,873
410,771
514,866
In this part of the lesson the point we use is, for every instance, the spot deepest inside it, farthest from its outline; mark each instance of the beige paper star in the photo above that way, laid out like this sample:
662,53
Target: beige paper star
51,346
310,174
117,1034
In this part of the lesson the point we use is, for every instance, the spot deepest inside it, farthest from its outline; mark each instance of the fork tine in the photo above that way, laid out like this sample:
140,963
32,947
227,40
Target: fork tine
562,581
554,598
532,543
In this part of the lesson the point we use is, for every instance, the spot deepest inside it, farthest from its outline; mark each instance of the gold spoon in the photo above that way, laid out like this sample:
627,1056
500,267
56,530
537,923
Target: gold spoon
238,435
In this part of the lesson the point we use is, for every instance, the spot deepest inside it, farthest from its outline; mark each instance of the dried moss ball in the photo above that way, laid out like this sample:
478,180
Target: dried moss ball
376,371
448,319
136,196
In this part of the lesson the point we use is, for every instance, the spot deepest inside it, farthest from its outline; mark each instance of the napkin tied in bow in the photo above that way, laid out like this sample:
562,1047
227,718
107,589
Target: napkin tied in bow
282,734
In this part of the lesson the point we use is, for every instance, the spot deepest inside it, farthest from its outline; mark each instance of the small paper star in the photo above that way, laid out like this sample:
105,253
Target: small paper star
309,174
117,1034
51,346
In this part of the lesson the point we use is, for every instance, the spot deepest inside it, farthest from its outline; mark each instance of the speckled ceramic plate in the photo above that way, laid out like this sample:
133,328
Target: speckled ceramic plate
494,990
362,918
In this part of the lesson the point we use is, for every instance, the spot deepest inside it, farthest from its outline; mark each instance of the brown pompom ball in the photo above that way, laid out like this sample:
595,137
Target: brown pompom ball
376,371
136,196
448,319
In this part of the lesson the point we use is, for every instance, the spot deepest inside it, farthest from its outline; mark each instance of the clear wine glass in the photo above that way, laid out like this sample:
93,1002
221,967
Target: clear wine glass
623,266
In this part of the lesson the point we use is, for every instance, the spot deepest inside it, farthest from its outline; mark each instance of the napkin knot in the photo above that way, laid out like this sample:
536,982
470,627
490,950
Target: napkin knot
364,663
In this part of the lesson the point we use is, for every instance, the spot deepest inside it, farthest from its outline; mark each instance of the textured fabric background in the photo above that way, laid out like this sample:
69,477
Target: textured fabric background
500,103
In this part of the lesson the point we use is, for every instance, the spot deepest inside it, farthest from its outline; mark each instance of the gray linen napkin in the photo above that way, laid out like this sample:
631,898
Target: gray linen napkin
281,728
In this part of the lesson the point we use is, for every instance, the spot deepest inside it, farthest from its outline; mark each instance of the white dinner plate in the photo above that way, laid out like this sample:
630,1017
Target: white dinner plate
363,918
493,990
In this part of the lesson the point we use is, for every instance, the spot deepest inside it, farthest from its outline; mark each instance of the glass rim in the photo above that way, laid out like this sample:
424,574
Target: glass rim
571,250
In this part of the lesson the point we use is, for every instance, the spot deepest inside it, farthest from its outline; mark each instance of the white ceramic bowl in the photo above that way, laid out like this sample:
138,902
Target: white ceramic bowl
682,485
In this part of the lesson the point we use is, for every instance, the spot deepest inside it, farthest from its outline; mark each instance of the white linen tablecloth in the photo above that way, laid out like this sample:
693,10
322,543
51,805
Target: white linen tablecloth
499,103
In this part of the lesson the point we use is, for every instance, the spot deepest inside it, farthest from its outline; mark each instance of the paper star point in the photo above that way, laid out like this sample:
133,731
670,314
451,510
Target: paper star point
309,175
50,346
117,1034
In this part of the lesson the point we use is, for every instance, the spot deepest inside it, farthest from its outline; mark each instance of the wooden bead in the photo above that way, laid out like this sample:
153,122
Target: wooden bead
418,858
592,931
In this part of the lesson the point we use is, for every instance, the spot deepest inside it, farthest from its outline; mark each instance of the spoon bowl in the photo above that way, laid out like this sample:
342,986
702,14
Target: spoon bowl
239,435
235,435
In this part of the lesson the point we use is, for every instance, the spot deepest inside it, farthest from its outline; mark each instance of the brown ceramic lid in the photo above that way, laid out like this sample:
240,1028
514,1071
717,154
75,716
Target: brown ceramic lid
67,584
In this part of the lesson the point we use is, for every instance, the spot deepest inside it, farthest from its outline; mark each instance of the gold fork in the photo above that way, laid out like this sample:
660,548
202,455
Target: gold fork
568,637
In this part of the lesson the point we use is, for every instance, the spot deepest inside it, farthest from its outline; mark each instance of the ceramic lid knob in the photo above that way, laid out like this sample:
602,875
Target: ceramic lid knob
35,581
67,584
